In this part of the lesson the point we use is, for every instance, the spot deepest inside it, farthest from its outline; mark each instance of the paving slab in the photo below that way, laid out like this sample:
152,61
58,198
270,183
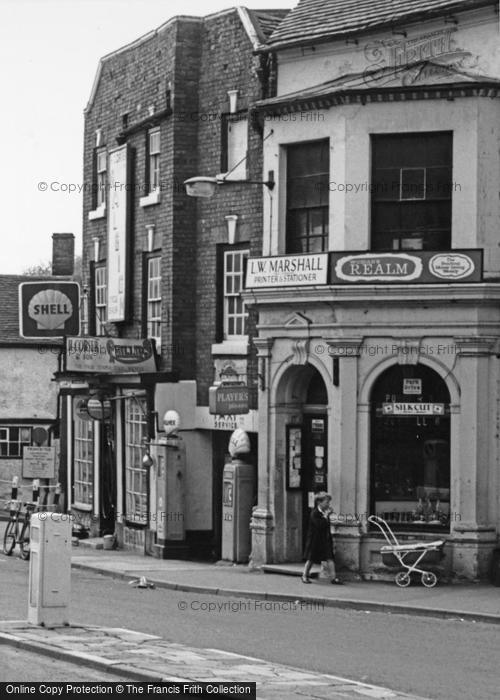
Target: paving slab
150,658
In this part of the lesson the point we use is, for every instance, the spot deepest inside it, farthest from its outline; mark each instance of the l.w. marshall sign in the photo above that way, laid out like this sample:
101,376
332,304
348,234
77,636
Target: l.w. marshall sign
287,271
416,267
110,355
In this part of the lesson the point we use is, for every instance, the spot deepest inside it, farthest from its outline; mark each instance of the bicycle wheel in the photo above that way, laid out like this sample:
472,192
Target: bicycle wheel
24,542
9,538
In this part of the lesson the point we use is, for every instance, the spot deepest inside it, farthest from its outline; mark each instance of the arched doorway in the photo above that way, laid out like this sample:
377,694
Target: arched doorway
410,448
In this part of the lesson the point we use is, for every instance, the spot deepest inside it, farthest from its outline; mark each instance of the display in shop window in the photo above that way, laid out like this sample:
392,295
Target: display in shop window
294,456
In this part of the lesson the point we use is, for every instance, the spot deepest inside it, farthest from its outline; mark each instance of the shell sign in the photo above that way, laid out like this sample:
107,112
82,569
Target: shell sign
49,309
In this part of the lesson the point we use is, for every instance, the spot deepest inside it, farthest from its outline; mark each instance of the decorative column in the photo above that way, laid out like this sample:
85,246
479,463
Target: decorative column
343,449
262,522
473,457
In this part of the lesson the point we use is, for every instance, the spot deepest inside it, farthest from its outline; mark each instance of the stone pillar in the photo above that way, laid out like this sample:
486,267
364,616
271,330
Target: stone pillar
473,533
262,521
343,445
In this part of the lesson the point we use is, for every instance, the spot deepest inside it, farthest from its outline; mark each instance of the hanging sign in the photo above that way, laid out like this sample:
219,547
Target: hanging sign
412,386
117,240
413,409
229,399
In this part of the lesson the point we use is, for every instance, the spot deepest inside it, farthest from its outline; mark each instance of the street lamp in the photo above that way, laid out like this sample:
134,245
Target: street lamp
207,186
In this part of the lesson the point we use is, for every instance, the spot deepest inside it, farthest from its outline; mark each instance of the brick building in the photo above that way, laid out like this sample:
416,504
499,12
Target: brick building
170,105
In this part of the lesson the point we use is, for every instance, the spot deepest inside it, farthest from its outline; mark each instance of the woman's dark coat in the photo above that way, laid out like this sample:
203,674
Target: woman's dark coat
319,545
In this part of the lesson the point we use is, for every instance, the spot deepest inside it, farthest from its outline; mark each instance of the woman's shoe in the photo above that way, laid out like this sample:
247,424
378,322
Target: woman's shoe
306,579
337,581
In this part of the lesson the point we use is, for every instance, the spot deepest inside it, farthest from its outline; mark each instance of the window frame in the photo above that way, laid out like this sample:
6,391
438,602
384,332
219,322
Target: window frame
322,207
83,470
430,201
153,160
136,430
153,303
19,442
100,308
242,251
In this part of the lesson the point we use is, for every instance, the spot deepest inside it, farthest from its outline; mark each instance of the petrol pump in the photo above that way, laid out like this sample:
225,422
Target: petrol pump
168,464
238,498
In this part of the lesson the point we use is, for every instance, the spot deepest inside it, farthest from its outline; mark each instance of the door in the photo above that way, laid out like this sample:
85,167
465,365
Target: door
314,463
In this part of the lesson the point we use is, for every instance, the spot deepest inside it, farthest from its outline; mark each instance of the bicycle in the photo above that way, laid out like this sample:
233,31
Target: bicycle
18,528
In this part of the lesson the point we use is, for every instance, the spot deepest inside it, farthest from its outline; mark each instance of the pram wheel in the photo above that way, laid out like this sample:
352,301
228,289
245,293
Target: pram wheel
403,579
429,579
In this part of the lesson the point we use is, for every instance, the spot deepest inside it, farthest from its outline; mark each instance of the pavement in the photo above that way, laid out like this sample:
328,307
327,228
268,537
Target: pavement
148,658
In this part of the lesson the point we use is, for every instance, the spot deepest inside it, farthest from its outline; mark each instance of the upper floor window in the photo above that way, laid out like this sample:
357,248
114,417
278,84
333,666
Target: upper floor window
234,146
235,314
153,165
12,440
154,300
101,177
308,170
411,191
101,300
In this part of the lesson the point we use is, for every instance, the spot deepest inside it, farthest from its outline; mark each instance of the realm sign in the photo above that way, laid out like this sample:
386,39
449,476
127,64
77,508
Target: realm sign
415,267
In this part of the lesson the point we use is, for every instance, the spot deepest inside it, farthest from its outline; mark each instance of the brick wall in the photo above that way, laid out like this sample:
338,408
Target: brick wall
189,65
228,64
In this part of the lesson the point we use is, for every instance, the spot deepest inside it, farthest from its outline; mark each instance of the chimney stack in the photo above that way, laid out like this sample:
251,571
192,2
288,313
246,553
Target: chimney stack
63,254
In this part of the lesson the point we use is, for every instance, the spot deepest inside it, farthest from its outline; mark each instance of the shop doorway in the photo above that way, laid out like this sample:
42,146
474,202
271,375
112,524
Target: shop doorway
410,448
315,447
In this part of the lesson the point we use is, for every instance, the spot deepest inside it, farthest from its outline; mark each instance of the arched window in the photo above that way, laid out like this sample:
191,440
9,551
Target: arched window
410,448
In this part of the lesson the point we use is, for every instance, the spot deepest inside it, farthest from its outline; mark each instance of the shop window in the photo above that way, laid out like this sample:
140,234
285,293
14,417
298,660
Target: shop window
83,461
101,299
235,314
12,440
153,160
308,168
411,191
136,483
410,454
153,300
235,146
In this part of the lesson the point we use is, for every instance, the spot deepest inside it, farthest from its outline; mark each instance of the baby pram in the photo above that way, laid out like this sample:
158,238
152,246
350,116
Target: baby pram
408,555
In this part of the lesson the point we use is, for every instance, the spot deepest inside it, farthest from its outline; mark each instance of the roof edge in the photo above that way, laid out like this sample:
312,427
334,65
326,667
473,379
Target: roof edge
410,18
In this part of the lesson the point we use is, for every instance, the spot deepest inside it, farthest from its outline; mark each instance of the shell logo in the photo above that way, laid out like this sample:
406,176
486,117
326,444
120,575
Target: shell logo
50,309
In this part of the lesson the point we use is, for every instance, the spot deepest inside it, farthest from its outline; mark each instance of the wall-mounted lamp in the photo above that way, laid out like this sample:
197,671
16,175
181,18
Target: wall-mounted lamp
231,221
201,186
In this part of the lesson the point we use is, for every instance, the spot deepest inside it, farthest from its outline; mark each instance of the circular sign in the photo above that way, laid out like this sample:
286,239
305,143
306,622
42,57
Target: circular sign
39,436
99,410
171,422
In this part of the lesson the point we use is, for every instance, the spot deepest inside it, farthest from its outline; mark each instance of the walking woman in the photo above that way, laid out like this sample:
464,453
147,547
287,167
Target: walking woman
319,544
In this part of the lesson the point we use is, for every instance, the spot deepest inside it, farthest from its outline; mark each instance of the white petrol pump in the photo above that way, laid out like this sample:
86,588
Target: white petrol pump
238,496
168,454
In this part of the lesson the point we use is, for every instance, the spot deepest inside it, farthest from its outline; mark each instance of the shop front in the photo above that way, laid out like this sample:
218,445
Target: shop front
386,396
